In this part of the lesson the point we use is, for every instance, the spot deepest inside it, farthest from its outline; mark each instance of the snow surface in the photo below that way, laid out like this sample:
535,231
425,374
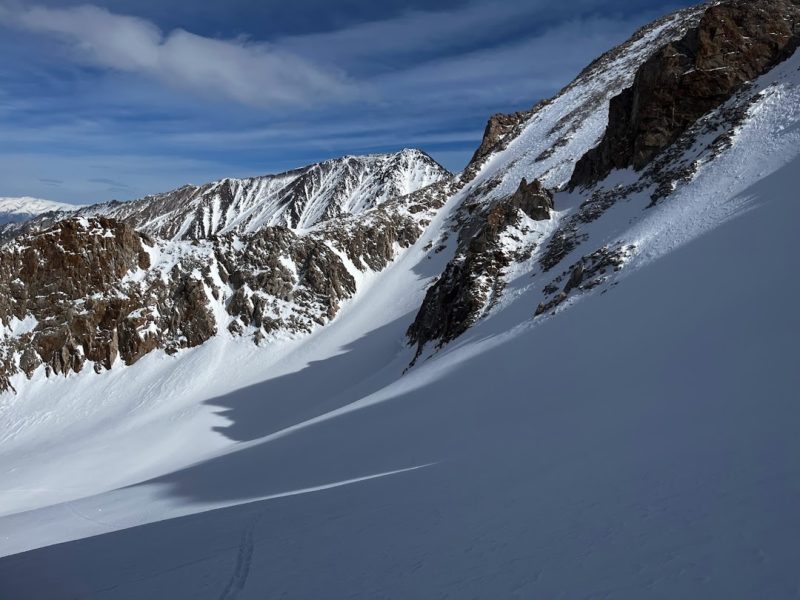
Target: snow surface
639,443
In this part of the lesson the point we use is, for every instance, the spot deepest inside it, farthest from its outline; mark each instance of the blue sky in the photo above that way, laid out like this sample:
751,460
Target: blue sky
122,98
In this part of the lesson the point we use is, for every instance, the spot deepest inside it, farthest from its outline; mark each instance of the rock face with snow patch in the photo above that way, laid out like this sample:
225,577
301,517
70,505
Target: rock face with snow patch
564,123
65,279
734,43
489,240
496,222
683,86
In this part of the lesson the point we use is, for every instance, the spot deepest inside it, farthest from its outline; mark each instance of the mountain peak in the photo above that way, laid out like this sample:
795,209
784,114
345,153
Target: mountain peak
299,199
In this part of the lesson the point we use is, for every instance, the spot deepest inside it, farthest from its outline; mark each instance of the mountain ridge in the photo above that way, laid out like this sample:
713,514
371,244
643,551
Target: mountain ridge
24,208
299,199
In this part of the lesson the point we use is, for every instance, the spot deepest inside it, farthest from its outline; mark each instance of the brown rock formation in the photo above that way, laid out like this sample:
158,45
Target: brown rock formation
735,42
500,130
455,301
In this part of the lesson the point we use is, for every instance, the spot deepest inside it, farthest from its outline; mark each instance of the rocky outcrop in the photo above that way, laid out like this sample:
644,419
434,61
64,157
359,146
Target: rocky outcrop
283,281
94,291
65,279
500,130
735,42
85,285
474,276
588,273
532,199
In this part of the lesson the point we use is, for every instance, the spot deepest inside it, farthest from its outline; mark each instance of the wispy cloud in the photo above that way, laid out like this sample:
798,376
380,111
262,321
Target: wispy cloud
417,32
258,74
112,183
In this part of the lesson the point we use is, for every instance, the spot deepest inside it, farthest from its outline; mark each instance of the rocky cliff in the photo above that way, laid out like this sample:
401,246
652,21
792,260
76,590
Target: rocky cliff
490,238
733,43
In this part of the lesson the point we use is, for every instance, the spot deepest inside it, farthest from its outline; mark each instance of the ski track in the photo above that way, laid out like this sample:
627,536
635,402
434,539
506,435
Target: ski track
241,569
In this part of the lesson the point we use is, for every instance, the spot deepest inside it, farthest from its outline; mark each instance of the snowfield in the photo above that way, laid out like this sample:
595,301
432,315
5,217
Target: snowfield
639,441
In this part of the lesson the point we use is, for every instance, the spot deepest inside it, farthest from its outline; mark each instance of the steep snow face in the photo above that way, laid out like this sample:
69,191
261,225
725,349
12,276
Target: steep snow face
299,199
15,210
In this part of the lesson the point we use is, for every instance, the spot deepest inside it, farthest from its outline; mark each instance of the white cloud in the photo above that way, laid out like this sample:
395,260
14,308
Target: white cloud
257,74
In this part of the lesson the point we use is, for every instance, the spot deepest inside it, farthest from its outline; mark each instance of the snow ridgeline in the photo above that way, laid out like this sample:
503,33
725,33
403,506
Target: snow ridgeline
299,199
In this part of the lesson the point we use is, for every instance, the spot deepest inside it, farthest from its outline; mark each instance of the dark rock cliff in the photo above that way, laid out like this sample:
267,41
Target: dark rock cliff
735,42
461,293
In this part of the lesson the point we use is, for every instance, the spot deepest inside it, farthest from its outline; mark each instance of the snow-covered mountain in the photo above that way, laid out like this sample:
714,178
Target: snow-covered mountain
16,210
298,199
567,371
266,258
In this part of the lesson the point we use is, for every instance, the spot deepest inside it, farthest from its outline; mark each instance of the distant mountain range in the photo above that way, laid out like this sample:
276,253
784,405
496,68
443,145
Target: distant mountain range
17,210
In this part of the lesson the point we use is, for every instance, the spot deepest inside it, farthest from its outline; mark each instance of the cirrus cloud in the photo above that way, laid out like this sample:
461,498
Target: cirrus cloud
254,73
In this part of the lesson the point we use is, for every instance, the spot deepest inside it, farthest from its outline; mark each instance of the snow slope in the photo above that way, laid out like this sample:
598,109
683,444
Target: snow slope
640,457
637,441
